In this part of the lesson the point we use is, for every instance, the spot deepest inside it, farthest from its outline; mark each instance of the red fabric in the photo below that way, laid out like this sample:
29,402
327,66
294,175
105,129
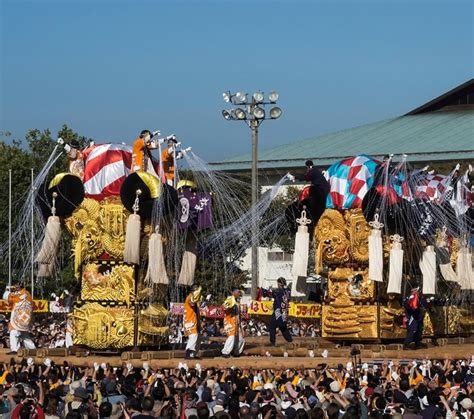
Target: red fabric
304,194
37,414
390,193
414,301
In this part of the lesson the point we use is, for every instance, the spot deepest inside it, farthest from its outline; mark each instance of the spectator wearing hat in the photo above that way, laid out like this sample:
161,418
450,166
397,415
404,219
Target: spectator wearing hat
79,404
281,304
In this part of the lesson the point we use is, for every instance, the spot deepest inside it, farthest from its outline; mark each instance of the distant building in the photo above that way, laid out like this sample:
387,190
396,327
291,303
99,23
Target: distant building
438,133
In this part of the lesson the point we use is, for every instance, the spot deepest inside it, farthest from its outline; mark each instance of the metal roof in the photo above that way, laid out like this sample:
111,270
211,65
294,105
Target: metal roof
432,136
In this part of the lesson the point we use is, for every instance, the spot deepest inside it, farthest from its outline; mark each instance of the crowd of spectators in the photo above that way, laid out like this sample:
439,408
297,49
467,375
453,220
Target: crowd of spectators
424,389
48,330
251,327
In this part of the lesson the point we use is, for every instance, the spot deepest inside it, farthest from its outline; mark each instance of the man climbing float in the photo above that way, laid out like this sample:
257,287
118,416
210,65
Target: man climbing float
319,190
281,304
234,344
20,320
192,321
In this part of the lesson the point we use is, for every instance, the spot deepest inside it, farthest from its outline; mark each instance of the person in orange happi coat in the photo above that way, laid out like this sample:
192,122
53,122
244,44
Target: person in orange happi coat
192,321
20,320
168,157
141,157
235,342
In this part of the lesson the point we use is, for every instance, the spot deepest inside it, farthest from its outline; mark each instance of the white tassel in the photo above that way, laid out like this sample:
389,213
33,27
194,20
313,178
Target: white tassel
188,266
448,273
46,257
376,251
428,270
131,253
156,272
444,261
299,269
464,272
395,266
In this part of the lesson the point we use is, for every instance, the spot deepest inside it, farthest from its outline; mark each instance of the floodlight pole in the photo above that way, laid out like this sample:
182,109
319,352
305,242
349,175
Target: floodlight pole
253,121
254,127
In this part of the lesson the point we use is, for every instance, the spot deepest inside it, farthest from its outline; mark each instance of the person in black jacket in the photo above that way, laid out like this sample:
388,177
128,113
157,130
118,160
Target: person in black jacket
415,308
281,304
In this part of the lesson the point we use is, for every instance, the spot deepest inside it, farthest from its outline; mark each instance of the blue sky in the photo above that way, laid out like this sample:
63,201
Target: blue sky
109,68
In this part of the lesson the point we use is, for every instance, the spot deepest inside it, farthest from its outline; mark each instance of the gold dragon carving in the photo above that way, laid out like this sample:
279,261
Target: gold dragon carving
102,327
97,227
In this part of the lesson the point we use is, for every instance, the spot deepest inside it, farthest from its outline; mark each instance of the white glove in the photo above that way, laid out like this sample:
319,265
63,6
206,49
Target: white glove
325,353
60,141
349,366
96,366
146,367
198,367
103,366
311,354
129,366
290,177
365,366
347,375
155,133
47,362
67,148
30,361
268,354
458,166
285,354
425,169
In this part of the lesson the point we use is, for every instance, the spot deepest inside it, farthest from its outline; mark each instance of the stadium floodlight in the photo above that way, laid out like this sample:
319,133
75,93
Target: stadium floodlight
258,97
258,113
275,112
227,97
241,97
227,114
240,114
273,96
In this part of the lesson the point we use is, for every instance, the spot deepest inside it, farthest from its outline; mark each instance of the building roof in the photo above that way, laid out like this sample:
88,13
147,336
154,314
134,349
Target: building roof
433,133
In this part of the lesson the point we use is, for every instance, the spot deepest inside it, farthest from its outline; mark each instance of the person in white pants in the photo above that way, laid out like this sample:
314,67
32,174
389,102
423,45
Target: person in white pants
235,342
192,322
20,320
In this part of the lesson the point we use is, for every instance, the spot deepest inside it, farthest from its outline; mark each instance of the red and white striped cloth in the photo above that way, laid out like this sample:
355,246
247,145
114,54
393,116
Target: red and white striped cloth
105,168
432,187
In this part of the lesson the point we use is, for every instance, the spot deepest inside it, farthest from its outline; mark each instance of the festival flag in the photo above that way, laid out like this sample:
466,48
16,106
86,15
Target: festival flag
350,179
432,187
105,168
195,210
